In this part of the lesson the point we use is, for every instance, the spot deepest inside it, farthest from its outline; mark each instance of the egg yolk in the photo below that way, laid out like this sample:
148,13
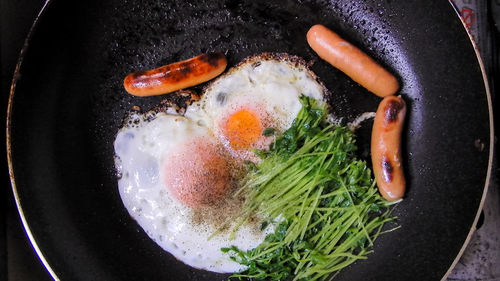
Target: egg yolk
243,128
198,174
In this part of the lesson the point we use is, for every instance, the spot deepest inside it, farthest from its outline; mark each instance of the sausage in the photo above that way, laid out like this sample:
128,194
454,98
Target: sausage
175,76
352,61
386,147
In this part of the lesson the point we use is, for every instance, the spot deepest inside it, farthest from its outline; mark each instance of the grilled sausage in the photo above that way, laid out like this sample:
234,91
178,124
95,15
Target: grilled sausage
352,61
175,76
386,147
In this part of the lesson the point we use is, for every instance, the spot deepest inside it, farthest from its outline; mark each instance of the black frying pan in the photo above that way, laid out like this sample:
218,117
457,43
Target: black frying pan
68,104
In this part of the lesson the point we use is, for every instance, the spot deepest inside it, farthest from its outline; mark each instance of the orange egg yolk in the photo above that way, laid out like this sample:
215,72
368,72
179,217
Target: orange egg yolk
242,129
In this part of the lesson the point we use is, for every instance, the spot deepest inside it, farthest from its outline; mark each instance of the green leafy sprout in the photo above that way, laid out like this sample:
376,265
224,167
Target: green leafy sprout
322,200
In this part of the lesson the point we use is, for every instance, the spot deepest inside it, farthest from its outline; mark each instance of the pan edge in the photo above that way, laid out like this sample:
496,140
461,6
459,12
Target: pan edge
491,147
15,79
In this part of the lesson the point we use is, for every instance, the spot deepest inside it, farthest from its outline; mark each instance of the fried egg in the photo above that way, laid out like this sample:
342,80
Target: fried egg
178,173
262,92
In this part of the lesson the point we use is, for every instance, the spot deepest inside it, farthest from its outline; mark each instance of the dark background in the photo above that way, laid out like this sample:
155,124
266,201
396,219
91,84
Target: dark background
17,259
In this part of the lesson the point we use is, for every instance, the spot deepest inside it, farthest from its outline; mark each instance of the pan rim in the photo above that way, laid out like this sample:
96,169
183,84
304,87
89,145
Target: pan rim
27,229
15,79
490,156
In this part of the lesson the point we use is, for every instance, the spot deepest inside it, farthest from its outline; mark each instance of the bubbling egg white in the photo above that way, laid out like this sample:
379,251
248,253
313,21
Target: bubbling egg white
174,171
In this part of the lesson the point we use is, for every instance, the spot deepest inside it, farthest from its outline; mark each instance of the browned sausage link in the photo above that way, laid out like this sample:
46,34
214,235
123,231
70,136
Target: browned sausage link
175,76
386,147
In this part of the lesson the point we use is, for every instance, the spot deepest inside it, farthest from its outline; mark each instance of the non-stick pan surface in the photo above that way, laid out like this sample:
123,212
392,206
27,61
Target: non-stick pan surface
69,102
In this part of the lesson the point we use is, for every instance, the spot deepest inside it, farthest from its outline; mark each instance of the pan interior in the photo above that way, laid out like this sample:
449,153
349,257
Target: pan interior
69,103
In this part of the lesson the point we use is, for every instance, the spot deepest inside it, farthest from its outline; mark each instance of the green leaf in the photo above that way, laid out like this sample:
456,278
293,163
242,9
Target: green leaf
269,132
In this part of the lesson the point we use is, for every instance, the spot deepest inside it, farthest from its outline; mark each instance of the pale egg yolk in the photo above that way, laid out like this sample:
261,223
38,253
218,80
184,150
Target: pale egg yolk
242,129
197,174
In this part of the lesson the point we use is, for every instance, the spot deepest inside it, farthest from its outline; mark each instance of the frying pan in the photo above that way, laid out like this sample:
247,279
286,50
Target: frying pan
68,102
